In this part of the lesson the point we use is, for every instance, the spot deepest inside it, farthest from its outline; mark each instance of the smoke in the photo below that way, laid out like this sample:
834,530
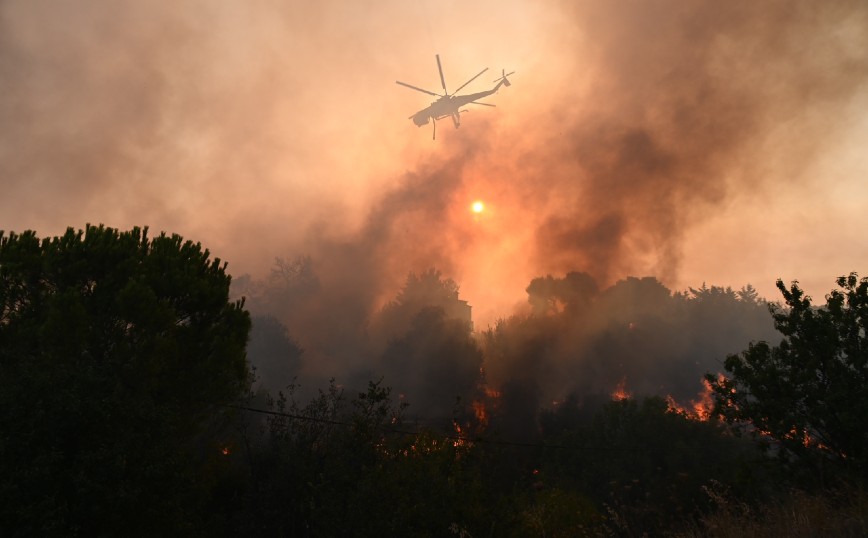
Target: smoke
274,129
681,107
231,124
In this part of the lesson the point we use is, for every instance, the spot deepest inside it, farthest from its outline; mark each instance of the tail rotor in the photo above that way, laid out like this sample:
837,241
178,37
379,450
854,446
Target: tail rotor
503,78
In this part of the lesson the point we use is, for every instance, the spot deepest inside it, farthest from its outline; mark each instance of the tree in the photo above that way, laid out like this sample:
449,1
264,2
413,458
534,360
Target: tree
274,355
428,290
116,352
434,362
571,293
810,393
642,458
349,466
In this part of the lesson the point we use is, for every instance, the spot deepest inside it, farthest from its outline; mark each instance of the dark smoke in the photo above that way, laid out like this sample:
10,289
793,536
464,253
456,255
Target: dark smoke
660,113
681,105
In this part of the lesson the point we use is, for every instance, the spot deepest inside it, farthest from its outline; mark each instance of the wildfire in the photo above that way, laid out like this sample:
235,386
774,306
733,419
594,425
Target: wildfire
225,451
422,444
699,408
479,411
621,392
704,404
459,441
487,401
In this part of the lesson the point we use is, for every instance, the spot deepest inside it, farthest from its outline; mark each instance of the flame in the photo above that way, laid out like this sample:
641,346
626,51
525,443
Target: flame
225,451
621,392
699,408
487,401
703,405
459,441
421,445
491,393
809,441
479,411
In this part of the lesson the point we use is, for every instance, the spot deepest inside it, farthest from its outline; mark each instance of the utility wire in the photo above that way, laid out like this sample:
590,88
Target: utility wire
457,437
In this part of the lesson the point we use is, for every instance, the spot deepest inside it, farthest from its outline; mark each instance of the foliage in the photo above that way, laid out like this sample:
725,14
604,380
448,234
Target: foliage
350,467
641,459
427,290
116,352
838,512
118,355
289,283
636,331
572,293
436,361
274,355
810,393
560,512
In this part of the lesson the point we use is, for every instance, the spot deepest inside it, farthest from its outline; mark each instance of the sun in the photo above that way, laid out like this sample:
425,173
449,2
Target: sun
477,206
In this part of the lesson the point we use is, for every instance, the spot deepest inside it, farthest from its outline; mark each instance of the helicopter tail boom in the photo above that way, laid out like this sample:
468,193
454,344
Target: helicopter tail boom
503,80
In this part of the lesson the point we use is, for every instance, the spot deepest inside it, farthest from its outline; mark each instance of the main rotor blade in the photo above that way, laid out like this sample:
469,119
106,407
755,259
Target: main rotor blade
478,103
417,89
471,80
442,80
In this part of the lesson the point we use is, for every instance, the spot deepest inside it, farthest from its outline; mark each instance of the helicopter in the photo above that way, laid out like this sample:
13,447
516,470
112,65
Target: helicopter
449,104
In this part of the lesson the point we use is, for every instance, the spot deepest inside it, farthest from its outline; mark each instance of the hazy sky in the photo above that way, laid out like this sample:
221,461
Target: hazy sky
692,141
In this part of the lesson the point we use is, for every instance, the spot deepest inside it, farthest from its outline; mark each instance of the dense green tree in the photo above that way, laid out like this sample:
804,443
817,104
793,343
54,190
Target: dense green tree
117,352
810,393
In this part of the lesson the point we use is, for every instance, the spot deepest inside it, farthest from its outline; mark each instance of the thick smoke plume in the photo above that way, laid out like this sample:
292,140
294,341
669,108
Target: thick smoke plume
268,130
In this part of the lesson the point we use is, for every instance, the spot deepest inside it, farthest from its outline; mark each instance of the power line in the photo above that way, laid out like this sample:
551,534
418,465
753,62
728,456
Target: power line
466,439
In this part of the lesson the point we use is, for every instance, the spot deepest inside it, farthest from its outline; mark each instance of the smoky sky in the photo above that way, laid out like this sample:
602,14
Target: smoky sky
638,138
684,100
271,129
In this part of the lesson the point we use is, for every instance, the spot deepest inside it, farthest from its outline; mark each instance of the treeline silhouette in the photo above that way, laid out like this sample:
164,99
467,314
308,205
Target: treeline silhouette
127,407
575,340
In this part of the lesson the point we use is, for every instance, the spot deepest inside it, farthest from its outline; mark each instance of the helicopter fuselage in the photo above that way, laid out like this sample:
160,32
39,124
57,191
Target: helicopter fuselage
449,106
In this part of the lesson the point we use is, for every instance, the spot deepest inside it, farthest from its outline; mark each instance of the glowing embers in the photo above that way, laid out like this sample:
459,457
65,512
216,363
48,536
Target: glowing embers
480,412
459,439
488,400
621,392
423,444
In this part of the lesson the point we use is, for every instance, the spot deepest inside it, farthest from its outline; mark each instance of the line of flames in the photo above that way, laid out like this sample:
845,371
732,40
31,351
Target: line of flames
699,408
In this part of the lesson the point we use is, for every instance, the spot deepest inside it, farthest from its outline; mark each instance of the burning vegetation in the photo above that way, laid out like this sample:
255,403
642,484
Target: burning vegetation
599,386
699,409
585,411
603,404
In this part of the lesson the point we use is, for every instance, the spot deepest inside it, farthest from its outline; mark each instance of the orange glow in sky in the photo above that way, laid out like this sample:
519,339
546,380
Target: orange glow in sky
693,142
